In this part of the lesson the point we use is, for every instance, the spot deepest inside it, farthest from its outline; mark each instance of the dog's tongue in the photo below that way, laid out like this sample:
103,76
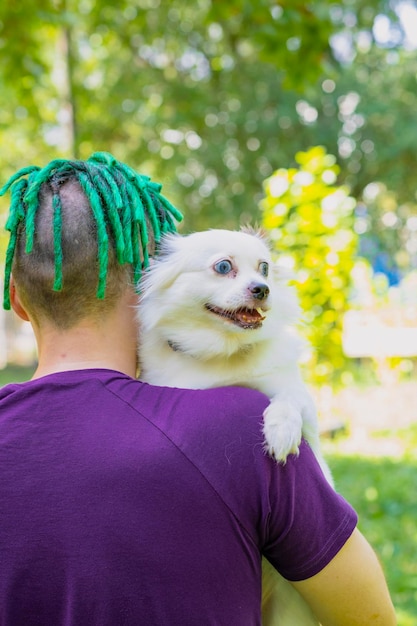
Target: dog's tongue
248,317
243,317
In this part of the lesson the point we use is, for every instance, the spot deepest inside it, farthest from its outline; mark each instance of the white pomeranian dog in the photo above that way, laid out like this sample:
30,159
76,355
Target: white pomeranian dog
215,310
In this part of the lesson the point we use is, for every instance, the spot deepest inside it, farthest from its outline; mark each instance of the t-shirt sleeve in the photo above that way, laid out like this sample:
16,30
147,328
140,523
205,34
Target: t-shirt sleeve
308,522
289,512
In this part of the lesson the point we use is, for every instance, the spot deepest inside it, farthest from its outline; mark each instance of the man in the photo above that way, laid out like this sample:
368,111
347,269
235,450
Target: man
125,504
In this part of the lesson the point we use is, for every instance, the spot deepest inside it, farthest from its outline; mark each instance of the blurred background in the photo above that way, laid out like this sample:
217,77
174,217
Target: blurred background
296,116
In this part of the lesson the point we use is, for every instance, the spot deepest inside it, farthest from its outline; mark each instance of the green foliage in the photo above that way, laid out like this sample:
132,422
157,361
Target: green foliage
377,125
196,94
310,220
210,97
292,37
388,229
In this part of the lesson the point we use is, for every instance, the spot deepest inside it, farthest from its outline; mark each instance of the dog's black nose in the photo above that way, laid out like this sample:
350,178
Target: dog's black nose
260,291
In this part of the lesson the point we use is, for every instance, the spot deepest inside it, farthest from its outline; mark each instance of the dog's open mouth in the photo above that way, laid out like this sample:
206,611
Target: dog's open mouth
243,317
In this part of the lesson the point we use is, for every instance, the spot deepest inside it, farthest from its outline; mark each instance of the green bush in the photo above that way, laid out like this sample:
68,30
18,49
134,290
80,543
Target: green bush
310,221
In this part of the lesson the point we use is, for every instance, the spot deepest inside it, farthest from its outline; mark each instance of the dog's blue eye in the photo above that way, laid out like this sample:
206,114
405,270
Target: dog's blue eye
264,268
223,267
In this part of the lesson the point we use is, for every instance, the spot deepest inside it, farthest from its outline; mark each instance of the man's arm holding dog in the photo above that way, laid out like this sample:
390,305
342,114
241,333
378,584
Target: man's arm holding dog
351,590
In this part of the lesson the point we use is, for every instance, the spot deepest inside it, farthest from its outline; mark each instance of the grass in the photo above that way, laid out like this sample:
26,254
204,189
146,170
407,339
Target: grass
378,476
382,489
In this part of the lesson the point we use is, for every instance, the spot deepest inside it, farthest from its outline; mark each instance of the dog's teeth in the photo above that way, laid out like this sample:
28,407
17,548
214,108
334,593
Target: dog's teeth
259,310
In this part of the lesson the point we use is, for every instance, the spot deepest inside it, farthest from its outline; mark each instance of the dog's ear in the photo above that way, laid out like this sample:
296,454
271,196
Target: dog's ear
282,273
256,231
165,267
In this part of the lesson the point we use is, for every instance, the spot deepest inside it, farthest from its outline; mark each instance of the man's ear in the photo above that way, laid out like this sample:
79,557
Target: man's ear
17,306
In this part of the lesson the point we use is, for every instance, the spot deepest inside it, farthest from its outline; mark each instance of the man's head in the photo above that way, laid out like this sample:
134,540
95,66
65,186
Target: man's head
80,232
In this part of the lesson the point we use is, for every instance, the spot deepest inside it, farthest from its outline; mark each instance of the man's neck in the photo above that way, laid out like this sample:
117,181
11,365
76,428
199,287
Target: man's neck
109,344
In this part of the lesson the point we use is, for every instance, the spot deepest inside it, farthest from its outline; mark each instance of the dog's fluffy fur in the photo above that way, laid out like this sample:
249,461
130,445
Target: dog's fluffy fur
216,311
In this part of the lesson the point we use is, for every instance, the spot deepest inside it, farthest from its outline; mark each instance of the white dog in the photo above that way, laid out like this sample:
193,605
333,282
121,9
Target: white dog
215,311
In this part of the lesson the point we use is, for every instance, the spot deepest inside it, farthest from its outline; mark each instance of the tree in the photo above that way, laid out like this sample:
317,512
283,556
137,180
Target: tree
208,97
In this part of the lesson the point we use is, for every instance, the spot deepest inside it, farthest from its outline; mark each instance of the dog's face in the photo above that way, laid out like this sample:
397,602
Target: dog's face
215,283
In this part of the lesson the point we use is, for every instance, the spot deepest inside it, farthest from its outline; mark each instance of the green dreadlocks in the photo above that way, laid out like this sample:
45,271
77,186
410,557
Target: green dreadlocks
120,200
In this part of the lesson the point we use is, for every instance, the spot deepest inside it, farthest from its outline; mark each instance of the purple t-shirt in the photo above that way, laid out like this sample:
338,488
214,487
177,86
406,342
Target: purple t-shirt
124,504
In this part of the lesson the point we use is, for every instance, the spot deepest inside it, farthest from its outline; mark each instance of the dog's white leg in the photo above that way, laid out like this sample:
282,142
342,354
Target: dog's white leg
282,427
289,417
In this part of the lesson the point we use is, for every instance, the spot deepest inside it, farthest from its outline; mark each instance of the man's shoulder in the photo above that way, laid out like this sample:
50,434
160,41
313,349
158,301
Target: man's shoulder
231,400
204,418
231,405
235,398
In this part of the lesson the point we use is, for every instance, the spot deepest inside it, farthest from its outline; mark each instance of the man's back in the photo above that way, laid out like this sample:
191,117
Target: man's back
128,504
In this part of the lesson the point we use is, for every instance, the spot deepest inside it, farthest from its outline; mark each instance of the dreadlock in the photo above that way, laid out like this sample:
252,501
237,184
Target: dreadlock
123,204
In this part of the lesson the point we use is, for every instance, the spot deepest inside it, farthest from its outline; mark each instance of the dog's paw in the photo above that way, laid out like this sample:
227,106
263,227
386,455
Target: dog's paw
282,429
